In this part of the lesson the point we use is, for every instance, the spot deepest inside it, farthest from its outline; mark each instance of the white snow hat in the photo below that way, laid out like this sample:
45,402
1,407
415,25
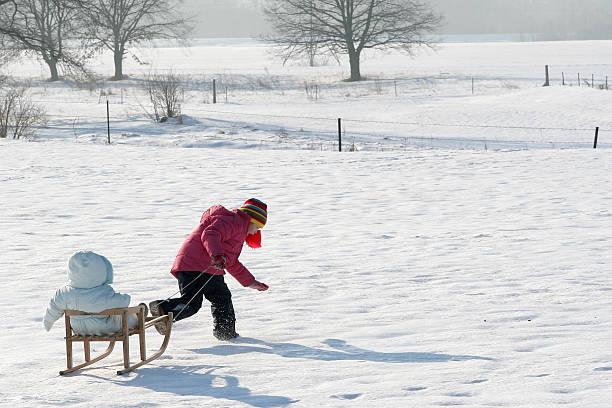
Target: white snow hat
87,269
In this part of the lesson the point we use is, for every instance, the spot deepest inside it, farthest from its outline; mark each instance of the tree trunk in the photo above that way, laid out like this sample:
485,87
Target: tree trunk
52,64
118,56
354,61
53,68
311,56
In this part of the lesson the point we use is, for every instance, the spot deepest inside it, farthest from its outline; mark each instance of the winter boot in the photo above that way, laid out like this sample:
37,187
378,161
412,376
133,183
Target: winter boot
225,330
146,308
224,321
156,311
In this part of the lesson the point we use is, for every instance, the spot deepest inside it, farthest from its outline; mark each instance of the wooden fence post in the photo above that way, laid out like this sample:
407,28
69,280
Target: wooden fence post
579,79
339,134
108,121
596,136
547,82
563,78
214,91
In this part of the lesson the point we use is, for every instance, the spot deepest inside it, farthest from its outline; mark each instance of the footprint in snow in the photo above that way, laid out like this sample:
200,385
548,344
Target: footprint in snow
346,396
603,369
477,381
459,394
415,388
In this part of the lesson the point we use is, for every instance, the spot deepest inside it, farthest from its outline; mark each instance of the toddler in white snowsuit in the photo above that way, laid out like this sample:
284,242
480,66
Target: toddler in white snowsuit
89,290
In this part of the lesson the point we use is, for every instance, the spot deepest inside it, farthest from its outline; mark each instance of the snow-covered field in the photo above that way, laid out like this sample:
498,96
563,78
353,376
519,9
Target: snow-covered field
416,277
406,102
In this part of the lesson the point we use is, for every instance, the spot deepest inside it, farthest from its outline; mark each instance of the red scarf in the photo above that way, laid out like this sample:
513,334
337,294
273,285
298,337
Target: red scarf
254,240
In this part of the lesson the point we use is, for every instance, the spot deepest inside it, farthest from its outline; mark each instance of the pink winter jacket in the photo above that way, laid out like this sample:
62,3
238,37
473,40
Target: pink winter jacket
221,231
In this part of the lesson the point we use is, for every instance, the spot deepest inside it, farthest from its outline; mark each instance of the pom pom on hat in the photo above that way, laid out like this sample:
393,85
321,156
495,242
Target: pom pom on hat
257,210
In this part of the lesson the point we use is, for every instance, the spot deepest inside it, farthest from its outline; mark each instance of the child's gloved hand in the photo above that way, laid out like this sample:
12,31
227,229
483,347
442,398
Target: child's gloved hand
218,261
259,286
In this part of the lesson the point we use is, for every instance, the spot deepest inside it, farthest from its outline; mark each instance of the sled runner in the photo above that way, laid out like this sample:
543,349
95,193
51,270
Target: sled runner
144,322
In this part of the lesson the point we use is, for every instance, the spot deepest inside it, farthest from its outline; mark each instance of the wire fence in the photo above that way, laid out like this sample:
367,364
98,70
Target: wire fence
213,122
283,131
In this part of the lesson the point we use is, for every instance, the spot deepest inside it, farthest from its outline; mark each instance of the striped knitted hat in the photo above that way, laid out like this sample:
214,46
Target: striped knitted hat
257,210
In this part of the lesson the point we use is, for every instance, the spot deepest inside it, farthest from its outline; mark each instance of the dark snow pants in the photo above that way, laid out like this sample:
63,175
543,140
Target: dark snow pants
214,289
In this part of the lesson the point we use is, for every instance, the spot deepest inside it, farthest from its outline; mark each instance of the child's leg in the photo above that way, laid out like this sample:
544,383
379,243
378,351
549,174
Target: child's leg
222,308
133,317
190,301
132,320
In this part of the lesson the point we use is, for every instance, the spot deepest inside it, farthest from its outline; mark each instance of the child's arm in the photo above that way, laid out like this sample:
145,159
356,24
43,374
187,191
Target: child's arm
246,278
119,300
54,311
241,273
106,298
213,235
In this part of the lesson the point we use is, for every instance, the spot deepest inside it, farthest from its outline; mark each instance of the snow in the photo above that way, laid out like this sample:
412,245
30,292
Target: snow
406,102
424,275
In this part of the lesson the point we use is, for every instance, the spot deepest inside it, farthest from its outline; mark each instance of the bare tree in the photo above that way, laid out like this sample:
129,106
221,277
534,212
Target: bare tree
349,26
5,53
166,93
18,115
41,27
118,24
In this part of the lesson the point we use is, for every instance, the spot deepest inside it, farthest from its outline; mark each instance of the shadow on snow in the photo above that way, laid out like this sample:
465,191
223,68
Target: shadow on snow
190,381
342,351
200,380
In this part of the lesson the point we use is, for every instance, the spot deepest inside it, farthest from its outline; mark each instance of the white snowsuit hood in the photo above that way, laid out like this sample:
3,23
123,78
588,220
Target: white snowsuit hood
88,290
87,270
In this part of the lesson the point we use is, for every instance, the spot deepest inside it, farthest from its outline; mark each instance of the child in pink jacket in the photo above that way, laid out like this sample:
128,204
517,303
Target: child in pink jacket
213,247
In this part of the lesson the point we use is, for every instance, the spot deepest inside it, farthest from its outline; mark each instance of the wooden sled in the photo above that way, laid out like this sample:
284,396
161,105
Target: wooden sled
144,323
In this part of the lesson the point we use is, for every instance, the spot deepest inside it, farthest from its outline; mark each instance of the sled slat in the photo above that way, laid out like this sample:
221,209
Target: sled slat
144,322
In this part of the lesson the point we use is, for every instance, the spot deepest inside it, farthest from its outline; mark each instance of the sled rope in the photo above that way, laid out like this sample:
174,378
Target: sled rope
194,279
196,294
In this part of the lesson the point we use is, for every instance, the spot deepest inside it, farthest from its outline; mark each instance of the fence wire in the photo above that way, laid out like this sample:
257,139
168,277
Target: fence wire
316,132
322,133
